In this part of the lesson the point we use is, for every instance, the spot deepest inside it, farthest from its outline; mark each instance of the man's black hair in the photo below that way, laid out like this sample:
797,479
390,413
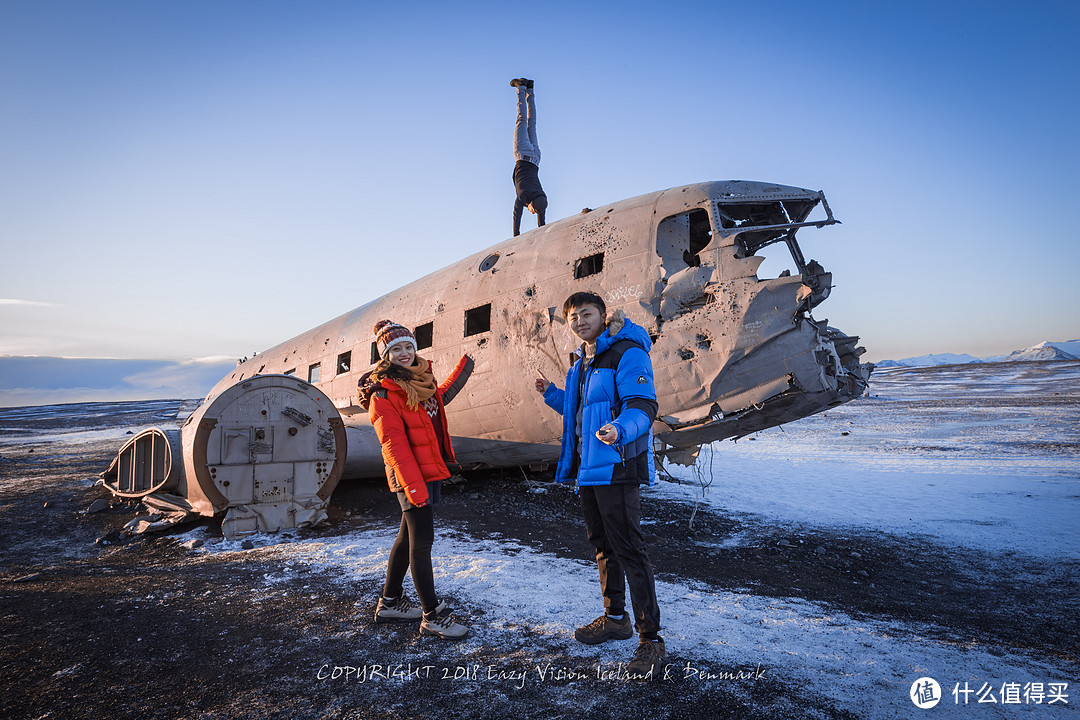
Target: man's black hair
583,298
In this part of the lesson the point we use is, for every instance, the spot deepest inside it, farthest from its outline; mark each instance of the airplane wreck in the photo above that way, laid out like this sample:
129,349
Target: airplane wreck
733,353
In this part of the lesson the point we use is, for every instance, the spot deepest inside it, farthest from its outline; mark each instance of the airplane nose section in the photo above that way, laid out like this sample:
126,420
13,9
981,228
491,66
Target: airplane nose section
803,371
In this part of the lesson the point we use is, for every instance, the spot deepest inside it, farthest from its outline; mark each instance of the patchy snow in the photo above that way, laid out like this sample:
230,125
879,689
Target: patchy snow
985,457
531,602
974,457
958,458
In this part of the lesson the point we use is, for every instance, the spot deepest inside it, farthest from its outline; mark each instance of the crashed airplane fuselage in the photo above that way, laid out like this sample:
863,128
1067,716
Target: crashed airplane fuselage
733,352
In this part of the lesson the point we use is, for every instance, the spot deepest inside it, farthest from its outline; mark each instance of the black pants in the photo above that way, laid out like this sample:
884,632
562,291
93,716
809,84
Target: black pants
613,521
412,550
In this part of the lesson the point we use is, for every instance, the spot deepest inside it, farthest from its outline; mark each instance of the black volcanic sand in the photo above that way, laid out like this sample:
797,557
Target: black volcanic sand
132,628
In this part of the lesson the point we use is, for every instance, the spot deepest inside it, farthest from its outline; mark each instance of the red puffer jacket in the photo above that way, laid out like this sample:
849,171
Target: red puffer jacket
410,446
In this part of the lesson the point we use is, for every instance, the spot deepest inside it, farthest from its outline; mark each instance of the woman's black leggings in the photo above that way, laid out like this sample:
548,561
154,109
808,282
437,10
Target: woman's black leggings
412,549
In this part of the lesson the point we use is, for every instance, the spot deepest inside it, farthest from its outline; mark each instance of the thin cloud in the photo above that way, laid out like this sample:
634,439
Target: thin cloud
17,301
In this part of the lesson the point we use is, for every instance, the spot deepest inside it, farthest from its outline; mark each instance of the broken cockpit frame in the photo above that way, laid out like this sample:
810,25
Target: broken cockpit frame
778,222
759,357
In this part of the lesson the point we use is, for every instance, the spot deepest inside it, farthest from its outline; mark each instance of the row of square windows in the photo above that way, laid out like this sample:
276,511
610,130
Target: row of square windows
477,320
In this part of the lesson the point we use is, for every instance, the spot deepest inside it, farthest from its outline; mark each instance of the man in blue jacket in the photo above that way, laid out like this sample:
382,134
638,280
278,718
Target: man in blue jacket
608,409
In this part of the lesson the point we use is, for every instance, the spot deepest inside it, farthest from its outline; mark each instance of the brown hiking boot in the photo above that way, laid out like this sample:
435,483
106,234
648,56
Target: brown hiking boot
649,659
604,628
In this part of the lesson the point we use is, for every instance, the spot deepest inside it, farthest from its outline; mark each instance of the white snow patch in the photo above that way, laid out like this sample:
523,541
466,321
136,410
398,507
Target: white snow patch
864,666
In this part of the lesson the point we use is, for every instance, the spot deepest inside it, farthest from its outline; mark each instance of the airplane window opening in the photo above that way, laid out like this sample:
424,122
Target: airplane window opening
291,371
776,263
681,238
751,215
780,259
344,361
423,335
375,353
591,265
489,262
700,237
478,320
313,373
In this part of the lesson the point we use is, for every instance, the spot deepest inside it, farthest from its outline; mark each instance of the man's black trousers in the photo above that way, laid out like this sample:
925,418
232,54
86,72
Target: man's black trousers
613,521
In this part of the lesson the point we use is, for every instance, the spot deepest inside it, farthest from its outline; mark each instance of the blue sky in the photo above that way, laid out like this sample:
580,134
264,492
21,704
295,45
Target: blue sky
201,179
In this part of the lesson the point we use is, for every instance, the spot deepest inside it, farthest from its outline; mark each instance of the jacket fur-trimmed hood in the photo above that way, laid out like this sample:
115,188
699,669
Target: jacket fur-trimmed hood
620,327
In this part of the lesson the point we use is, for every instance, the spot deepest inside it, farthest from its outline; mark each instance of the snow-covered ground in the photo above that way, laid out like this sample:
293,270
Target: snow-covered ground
863,666
984,457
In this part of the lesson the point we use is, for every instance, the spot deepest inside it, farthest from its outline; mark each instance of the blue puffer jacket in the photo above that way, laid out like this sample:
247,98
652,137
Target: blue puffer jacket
625,373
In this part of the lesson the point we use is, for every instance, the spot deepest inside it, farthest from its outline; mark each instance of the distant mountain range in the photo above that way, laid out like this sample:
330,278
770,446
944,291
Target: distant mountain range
51,380
1068,350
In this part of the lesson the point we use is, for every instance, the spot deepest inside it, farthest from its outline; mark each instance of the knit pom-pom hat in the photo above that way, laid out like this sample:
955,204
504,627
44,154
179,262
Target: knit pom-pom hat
389,334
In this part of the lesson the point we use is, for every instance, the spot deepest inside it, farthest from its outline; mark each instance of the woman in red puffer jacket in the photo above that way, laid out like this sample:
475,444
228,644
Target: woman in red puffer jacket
407,410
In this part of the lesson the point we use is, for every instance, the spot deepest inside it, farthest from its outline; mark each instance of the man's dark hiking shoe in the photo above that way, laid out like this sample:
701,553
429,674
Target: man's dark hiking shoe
649,659
528,83
605,628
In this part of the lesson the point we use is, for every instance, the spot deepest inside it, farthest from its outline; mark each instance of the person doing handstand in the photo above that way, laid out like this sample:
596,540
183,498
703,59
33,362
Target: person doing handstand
530,194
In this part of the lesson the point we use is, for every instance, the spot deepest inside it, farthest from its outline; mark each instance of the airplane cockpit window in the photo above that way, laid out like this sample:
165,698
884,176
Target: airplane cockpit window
591,265
749,215
478,320
423,335
344,361
313,373
776,220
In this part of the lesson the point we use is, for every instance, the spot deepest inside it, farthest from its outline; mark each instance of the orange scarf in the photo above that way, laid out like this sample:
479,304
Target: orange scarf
422,385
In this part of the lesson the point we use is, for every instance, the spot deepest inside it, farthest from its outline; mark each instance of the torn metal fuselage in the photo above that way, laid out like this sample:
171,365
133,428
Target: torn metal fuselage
759,358
735,350
735,347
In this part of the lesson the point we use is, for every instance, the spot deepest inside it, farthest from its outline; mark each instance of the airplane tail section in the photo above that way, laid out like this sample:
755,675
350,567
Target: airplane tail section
268,452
